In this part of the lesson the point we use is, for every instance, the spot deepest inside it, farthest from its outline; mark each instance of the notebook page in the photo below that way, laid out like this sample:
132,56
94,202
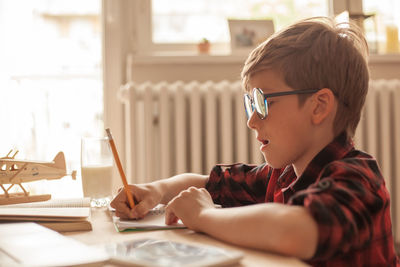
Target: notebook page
44,214
154,220
54,203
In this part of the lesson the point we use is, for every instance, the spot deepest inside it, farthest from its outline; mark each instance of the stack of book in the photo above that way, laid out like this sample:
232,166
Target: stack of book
62,215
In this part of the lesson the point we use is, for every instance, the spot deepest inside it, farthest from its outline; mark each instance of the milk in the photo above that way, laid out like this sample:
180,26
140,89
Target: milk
96,181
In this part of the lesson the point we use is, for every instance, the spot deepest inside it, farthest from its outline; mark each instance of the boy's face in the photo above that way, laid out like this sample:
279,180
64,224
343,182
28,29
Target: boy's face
285,135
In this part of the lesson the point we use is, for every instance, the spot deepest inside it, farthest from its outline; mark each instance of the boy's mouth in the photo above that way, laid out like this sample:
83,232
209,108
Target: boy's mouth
264,142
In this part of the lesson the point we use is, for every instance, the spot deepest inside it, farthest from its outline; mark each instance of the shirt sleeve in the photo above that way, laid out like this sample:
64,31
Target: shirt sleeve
238,184
350,205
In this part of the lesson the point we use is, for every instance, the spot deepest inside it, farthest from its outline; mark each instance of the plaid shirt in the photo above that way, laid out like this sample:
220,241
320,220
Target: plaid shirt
342,188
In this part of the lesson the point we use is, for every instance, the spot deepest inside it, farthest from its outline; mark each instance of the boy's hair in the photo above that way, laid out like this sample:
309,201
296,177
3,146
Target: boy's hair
317,53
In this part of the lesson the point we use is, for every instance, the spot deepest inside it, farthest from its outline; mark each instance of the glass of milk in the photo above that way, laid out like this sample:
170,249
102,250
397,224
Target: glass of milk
96,167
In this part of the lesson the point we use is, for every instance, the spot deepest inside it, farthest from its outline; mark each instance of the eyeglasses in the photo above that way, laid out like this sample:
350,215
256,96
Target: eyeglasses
259,100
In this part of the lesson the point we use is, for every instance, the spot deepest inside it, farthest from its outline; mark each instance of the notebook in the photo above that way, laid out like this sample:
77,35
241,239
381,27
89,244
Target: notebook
30,244
154,220
54,203
60,214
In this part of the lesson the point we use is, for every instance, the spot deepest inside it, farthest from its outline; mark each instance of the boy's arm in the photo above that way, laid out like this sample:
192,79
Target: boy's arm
275,227
240,184
173,186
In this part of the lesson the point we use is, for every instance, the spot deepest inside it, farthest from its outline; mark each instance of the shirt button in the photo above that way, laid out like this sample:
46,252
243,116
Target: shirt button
325,184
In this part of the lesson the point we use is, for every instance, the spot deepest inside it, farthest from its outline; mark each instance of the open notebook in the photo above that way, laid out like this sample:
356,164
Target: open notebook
59,214
154,220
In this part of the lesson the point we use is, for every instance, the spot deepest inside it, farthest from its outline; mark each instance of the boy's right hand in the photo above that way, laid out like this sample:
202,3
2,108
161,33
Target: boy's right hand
146,197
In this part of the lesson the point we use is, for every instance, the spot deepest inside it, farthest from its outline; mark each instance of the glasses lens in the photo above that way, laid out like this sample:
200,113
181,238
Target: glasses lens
260,103
248,107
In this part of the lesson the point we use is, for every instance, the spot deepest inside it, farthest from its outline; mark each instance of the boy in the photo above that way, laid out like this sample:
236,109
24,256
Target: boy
316,197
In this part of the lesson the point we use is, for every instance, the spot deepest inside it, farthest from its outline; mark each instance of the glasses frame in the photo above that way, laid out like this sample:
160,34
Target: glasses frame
253,106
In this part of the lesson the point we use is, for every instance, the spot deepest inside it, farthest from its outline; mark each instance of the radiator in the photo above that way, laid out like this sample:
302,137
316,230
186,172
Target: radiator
379,134
181,127
185,127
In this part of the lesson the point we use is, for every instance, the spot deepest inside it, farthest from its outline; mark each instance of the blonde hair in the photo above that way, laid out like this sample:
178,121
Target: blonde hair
318,53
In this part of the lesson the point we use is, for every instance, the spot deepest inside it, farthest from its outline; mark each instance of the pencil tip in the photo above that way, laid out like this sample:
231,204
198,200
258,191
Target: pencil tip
108,133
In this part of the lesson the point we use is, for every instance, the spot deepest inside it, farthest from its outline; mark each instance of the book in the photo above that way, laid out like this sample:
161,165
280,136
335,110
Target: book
70,226
60,214
30,244
158,253
54,203
154,220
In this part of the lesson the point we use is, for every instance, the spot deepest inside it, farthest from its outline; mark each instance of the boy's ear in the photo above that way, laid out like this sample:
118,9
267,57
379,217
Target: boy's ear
323,105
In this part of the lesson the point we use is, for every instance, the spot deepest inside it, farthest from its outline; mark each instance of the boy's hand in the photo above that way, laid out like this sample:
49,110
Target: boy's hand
189,206
146,197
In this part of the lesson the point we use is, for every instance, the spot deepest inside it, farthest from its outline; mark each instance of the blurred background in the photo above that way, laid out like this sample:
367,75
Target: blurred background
63,62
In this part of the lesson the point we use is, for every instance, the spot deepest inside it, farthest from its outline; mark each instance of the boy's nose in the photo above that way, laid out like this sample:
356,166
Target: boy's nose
252,121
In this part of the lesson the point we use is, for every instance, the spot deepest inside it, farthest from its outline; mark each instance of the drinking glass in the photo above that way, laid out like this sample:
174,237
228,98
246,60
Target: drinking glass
96,167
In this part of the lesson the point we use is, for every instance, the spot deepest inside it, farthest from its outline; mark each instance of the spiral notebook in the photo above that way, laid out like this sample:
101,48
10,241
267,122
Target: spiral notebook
154,220
62,215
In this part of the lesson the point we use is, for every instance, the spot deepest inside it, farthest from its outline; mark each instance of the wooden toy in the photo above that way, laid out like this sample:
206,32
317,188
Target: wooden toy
15,172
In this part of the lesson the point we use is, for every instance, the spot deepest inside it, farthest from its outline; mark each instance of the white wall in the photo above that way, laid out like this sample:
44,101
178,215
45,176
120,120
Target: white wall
123,62
202,68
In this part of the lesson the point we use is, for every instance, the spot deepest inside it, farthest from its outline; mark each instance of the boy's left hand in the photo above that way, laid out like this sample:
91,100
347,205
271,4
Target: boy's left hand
189,206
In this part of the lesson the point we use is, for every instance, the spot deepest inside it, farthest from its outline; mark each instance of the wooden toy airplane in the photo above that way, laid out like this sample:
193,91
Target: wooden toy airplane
15,172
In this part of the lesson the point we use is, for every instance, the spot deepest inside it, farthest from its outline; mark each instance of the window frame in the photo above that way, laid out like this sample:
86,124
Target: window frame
144,29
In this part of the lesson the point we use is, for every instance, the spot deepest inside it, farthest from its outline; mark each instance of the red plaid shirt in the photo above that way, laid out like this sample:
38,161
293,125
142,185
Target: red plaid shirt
342,188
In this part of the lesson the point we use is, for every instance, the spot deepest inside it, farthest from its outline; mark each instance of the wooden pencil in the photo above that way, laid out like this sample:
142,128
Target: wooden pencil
121,171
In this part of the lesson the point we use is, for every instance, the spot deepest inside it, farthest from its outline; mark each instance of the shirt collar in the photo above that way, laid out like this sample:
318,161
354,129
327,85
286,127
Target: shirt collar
335,150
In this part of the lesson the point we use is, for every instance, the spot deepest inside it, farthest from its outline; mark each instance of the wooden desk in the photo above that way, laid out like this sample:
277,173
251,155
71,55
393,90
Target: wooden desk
104,232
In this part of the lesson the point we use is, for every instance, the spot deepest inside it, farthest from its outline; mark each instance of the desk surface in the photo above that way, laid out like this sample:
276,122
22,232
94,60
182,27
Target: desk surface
104,232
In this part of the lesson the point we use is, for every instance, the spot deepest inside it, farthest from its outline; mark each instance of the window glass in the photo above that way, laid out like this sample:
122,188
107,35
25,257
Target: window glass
385,22
188,21
50,82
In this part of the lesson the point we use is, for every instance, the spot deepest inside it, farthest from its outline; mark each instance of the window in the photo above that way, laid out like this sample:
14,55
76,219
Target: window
50,82
188,21
179,24
387,15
